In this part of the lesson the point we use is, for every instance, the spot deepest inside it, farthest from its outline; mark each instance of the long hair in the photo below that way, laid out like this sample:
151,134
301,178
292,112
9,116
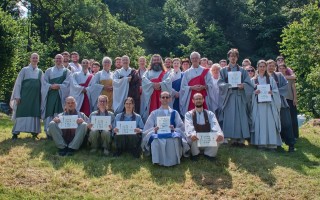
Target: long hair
162,65
257,71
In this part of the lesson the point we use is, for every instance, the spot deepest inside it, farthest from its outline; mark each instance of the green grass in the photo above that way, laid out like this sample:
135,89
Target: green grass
32,170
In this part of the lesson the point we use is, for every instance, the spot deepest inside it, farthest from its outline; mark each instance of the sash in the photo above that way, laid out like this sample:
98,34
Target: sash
176,85
155,97
85,107
199,80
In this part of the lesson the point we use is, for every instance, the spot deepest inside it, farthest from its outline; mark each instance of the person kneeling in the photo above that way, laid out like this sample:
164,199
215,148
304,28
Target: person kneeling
68,139
130,142
200,120
101,137
166,147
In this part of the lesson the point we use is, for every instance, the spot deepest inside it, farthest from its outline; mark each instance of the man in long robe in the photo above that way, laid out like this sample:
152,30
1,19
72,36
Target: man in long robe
68,140
234,112
125,84
26,99
202,120
166,148
79,88
154,81
285,116
102,84
75,66
140,72
196,79
56,89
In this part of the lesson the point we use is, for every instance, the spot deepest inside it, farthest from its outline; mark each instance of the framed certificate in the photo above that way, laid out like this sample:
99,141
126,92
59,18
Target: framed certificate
68,121
206,139
264,95
234,78
164,124
100,122
126,127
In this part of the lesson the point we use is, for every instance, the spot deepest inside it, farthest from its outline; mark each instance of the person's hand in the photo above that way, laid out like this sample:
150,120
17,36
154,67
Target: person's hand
84,90
129,78
194,138
18,101
176,95
257,92
110,127
220,138
55,87
156,86
295,102
80,120
270,92
156,129
115,131
137,130
240,86
90,126
56,120
171,127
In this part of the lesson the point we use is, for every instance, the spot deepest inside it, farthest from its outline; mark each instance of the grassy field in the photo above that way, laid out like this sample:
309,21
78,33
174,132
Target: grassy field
32,170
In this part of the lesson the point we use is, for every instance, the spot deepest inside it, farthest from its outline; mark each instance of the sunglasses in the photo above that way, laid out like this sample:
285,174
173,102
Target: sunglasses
250,70
166,97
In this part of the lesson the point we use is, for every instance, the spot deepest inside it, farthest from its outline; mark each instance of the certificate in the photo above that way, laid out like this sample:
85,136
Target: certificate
100,122
68,121
206,139
164,125
264,95
234,78
126,127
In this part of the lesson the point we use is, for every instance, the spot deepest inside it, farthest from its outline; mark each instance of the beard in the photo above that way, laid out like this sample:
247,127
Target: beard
199,105
156,67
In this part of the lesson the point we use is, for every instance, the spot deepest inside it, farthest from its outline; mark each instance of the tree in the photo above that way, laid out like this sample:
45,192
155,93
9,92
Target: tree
301,46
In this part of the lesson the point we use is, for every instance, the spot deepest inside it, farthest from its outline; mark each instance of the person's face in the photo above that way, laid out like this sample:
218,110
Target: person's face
95,68
233,58
66,57
262,68
58,60
185,66
176,65
215,71
282,70
271,68
102,104
128,105
142,63
118,63
204,63
156,60
70,104
280,61
75,58
34,59
195,60
125,61
168,63
85,64
165,99
250,71
223,64
198,100
106,65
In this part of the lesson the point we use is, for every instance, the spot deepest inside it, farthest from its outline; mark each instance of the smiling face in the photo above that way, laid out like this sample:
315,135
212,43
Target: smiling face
271,67
262,68
129,105
125,61
165,98
168,62
198,100
34,59
106,64
58,59
176,65
102,102
142,62
70,104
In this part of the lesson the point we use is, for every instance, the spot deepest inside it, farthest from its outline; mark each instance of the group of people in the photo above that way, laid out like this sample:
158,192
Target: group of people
197,98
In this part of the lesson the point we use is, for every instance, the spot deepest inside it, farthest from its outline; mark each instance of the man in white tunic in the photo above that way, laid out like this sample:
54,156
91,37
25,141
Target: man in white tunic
166,148
154,81
26,99
125,84
56,88
102,84
196,79
75,66
202,120
79,88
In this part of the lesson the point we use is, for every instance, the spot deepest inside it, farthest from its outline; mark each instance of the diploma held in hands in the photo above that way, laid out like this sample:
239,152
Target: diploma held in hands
206,139
101,122
126,127
164,125
68,121
264,95
234,78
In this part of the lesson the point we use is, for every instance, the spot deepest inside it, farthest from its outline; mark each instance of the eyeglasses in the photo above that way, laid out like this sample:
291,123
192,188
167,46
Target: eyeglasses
250,70
102,101
280,59
165,97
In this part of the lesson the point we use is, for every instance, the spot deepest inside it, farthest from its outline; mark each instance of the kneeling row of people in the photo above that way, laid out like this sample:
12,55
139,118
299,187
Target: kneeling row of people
165,149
